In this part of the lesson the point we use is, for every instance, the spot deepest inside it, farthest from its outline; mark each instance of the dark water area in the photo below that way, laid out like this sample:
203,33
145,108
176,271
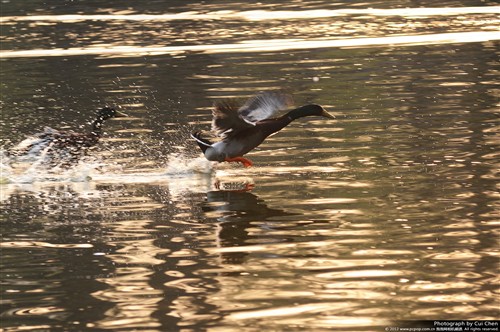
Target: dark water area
389,212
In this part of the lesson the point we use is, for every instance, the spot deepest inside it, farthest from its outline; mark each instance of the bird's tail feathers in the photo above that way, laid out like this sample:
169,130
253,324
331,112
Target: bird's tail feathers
203,143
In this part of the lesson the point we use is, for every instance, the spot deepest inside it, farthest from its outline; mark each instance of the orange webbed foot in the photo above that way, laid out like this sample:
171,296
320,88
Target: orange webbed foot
244,161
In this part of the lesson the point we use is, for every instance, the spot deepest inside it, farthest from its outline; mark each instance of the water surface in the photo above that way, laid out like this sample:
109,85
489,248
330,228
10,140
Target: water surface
388,212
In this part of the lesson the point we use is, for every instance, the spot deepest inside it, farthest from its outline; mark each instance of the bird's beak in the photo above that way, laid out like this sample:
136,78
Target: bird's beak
119,114
327,115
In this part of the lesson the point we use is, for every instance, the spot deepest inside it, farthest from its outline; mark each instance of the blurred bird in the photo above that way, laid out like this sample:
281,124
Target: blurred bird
63,148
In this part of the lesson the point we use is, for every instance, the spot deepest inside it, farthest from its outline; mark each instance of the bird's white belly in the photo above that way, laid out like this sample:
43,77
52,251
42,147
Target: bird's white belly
222,150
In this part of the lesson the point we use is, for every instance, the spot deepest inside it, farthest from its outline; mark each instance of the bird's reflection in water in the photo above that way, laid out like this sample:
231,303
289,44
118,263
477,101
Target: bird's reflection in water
236,212
234,184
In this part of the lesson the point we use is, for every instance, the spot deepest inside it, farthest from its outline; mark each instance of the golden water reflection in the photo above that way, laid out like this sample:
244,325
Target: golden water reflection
388,212
262,45
259,15
230,31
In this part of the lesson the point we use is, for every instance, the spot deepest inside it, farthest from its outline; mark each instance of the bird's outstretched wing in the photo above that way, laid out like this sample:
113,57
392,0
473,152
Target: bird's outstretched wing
264,105
35,144
226,120
229,118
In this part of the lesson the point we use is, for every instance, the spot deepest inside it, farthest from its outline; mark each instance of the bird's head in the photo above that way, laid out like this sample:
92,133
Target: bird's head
310,110
109,112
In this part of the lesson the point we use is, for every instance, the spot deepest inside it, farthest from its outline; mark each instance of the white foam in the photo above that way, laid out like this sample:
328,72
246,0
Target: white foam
180,174
179,164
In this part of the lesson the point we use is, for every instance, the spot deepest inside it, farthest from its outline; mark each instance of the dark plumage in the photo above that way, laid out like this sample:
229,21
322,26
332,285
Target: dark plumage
244,128
63,148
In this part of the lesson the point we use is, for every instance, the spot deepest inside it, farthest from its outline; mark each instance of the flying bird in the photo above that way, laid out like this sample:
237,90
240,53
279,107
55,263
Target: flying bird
243,128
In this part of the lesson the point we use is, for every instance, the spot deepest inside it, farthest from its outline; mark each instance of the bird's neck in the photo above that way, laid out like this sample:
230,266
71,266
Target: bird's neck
307,110
270,126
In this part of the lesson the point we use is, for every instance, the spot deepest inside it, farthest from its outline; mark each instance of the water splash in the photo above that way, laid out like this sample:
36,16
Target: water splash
179,164
32,168
5,169
181,174
29,173
34,146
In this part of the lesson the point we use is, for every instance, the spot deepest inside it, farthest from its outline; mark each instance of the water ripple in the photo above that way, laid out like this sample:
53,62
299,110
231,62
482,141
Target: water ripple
260,15
263,45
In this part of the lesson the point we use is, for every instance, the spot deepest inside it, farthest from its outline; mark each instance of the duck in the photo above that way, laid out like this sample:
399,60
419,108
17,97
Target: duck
242,128
64,148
